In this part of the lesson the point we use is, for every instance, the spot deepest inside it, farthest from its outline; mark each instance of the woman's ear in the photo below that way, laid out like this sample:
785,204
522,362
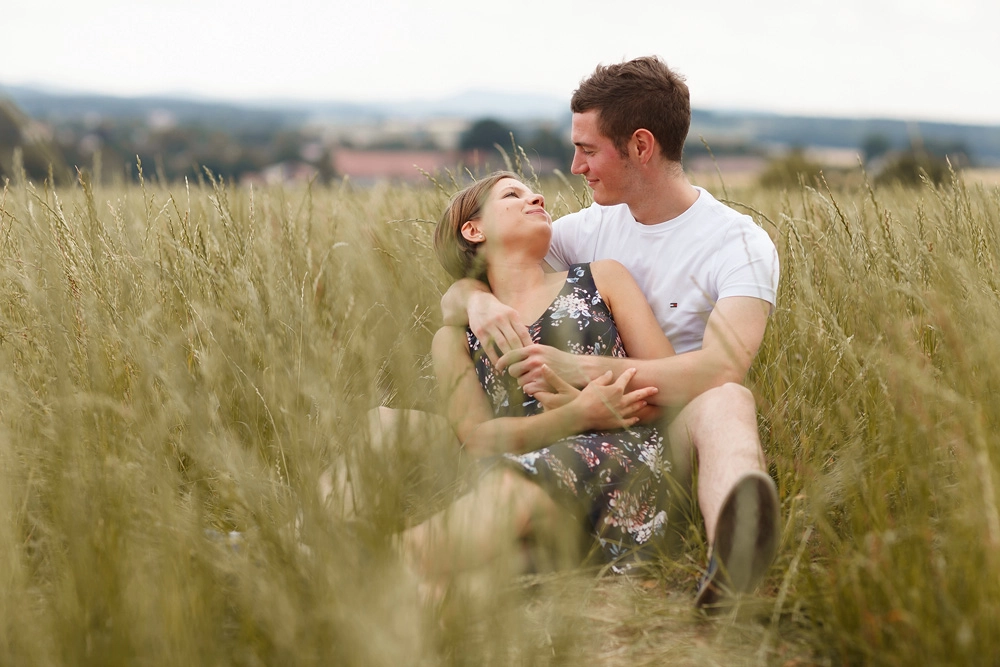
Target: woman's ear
471,232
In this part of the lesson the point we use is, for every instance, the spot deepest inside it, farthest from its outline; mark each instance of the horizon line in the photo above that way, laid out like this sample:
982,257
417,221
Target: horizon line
56,90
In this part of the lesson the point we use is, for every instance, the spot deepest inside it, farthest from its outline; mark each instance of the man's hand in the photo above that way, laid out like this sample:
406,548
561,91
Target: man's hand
525,364
603,405
497,326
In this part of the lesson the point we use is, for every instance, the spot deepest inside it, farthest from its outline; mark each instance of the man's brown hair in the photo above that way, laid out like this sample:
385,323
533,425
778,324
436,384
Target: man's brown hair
639,94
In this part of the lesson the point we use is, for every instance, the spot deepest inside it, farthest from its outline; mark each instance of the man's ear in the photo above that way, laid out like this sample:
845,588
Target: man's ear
471,231
644,145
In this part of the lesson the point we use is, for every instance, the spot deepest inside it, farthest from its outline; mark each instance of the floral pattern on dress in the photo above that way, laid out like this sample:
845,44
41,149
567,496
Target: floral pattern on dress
614,480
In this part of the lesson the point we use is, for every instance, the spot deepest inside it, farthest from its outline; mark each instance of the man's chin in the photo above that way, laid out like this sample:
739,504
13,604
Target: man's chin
602,199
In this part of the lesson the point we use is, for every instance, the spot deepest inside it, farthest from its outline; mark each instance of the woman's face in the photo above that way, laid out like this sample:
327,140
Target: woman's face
512,215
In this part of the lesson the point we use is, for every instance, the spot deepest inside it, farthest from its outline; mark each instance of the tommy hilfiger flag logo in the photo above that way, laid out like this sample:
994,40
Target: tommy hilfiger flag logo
673,305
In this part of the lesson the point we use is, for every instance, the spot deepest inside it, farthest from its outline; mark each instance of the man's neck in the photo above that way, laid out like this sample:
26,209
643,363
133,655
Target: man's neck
662,196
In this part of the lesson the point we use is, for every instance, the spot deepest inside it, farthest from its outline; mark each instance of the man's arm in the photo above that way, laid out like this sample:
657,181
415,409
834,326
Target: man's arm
602,405
733,335
496,325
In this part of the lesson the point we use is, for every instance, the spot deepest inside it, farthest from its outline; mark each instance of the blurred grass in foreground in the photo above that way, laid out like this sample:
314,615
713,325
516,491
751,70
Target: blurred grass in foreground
176,359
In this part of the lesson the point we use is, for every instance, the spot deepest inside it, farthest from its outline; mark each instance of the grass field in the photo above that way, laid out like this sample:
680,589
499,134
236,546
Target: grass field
177,359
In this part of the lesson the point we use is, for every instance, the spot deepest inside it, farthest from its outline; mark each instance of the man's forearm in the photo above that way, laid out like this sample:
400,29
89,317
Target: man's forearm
678,378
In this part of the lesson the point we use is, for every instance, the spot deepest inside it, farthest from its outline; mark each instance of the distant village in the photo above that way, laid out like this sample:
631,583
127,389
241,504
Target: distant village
174,140
407,150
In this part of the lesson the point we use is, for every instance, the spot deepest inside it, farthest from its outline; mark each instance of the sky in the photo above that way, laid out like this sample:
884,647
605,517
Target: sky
906,59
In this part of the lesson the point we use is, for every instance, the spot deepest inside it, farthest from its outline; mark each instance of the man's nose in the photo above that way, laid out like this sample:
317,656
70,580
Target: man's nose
579,164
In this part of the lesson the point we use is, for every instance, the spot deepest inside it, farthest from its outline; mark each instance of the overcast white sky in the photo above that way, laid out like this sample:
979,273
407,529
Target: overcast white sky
911,59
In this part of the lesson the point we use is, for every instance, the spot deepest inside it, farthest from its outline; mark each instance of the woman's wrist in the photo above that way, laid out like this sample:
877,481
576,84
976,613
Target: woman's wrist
575,416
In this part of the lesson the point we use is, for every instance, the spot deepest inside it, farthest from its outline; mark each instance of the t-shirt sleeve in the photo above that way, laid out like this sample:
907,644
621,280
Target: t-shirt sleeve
567,241
749,264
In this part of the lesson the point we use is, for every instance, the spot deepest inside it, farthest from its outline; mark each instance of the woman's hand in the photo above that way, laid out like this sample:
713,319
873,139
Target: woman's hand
562,392
605,405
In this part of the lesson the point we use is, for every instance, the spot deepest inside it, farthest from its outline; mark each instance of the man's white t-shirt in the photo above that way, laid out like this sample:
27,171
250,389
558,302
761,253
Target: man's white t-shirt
683,266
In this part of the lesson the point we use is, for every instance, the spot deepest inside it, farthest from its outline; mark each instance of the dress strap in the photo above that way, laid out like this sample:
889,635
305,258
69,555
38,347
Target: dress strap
581,275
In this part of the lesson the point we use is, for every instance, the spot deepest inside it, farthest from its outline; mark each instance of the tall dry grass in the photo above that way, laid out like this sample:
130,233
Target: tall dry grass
180,361
877,385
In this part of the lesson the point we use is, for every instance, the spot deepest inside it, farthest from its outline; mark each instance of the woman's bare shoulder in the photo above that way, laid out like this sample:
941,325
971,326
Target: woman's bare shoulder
609,270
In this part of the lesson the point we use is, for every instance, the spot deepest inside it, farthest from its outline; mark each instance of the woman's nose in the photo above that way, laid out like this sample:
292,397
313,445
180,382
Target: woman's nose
538,199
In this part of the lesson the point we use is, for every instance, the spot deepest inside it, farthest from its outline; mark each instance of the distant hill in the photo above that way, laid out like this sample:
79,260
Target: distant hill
982,142
235,138
58,107
750,128
37,152
53,106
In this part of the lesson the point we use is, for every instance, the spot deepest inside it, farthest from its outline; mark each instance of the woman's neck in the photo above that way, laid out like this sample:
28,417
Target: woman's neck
515,280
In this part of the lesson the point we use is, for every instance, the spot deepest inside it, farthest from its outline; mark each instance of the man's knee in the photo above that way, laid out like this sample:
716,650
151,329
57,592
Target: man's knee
724,398
718,406
727,411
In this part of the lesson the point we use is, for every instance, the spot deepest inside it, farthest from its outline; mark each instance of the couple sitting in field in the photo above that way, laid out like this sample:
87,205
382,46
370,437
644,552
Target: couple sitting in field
566,384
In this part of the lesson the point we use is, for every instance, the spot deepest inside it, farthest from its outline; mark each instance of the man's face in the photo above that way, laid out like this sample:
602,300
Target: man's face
597,159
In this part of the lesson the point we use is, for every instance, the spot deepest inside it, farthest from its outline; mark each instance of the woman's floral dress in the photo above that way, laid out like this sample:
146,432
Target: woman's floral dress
613,480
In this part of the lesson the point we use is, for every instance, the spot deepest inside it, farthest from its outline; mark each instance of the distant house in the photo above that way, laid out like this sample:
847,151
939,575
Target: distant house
366,166
280,173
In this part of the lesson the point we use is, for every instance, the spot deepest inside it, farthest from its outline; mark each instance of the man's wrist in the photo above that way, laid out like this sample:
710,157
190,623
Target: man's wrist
588,369
473,298
593,366
457,301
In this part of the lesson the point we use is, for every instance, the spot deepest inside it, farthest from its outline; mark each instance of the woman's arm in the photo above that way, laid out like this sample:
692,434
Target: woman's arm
602,405
640,332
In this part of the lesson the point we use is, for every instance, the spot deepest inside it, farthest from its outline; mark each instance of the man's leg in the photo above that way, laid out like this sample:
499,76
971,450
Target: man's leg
737,499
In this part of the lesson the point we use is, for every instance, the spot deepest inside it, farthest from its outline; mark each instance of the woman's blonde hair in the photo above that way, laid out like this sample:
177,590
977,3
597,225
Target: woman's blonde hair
459,257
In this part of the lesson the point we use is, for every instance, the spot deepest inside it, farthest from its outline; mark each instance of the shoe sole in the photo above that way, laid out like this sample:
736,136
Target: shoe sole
747,534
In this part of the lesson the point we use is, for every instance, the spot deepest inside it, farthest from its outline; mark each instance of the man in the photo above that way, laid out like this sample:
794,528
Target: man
710,275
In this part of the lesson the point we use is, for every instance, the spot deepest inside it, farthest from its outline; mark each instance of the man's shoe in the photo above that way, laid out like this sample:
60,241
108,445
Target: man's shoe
746,540
710,586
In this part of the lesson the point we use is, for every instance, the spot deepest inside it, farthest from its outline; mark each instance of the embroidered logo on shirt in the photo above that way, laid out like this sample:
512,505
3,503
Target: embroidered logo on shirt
673,304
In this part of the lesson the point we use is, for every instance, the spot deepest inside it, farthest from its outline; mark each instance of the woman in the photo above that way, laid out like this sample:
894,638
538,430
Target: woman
584,463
